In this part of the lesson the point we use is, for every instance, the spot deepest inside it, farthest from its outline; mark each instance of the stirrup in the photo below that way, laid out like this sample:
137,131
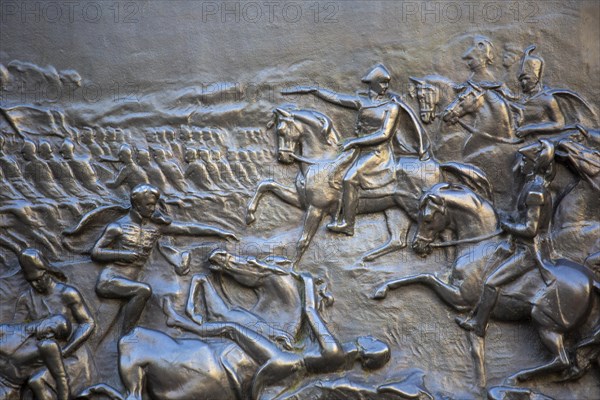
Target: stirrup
341,228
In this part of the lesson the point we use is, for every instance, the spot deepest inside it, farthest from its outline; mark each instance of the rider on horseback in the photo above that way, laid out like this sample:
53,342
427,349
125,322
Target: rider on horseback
541,112
529,245
375,127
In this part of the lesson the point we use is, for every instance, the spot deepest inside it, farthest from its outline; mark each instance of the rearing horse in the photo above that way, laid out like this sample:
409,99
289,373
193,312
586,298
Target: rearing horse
556,310
308,137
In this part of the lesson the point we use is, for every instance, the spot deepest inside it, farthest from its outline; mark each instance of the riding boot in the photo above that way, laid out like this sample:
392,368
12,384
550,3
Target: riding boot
350,200
479,320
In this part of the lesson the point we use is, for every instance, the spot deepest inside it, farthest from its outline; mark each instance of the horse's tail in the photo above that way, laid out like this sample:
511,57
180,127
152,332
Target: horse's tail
469,175
101,389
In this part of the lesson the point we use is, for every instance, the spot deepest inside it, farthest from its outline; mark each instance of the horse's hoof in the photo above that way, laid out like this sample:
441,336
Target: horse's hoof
250,218
380,294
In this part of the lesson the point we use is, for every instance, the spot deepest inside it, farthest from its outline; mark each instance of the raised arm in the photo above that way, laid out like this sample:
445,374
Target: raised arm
84,319
344,100
195,229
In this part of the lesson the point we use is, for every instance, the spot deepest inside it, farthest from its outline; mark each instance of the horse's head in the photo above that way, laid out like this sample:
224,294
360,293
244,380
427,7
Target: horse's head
469,100
428,96
432,220
288,132
246,270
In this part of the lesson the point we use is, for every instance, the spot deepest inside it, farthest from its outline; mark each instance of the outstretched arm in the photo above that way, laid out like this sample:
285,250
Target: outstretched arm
344,100
194,229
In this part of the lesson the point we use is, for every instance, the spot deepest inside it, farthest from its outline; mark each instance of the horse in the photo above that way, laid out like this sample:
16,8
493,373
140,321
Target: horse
153,361
272,285
474,222
309,137
487,137
433,93
576,223
169,368
491,133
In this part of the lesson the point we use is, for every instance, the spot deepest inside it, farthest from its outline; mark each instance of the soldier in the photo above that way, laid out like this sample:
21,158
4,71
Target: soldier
541,113
529,244
125,247
155,176
171,170
48,296
28,346
38,172
375,127
130,173
196,171
62,171
213,171
83,171
479,57
14,175
88,138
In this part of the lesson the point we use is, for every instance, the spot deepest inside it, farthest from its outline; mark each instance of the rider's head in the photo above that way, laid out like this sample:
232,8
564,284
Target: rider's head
144,198
55,326
480,54
511,55
378,79
538,158
531,70
372,353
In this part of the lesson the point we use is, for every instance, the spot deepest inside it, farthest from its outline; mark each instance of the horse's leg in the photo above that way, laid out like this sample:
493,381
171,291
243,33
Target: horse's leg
287,194
132,374
312,219
448,293
554,341
478,352
398,224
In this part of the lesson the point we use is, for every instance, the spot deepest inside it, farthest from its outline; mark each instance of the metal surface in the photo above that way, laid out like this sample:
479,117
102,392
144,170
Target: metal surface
299,200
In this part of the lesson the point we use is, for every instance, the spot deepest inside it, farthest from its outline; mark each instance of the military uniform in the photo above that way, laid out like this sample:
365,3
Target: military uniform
374,166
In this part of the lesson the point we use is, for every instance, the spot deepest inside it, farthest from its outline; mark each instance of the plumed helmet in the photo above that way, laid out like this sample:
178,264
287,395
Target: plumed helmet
531,64
378,73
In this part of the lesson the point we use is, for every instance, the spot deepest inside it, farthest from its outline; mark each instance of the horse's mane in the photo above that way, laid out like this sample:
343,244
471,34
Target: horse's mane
320,120
458,196
441,83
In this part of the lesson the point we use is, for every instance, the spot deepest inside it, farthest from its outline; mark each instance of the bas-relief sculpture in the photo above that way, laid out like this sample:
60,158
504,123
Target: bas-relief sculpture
500,183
